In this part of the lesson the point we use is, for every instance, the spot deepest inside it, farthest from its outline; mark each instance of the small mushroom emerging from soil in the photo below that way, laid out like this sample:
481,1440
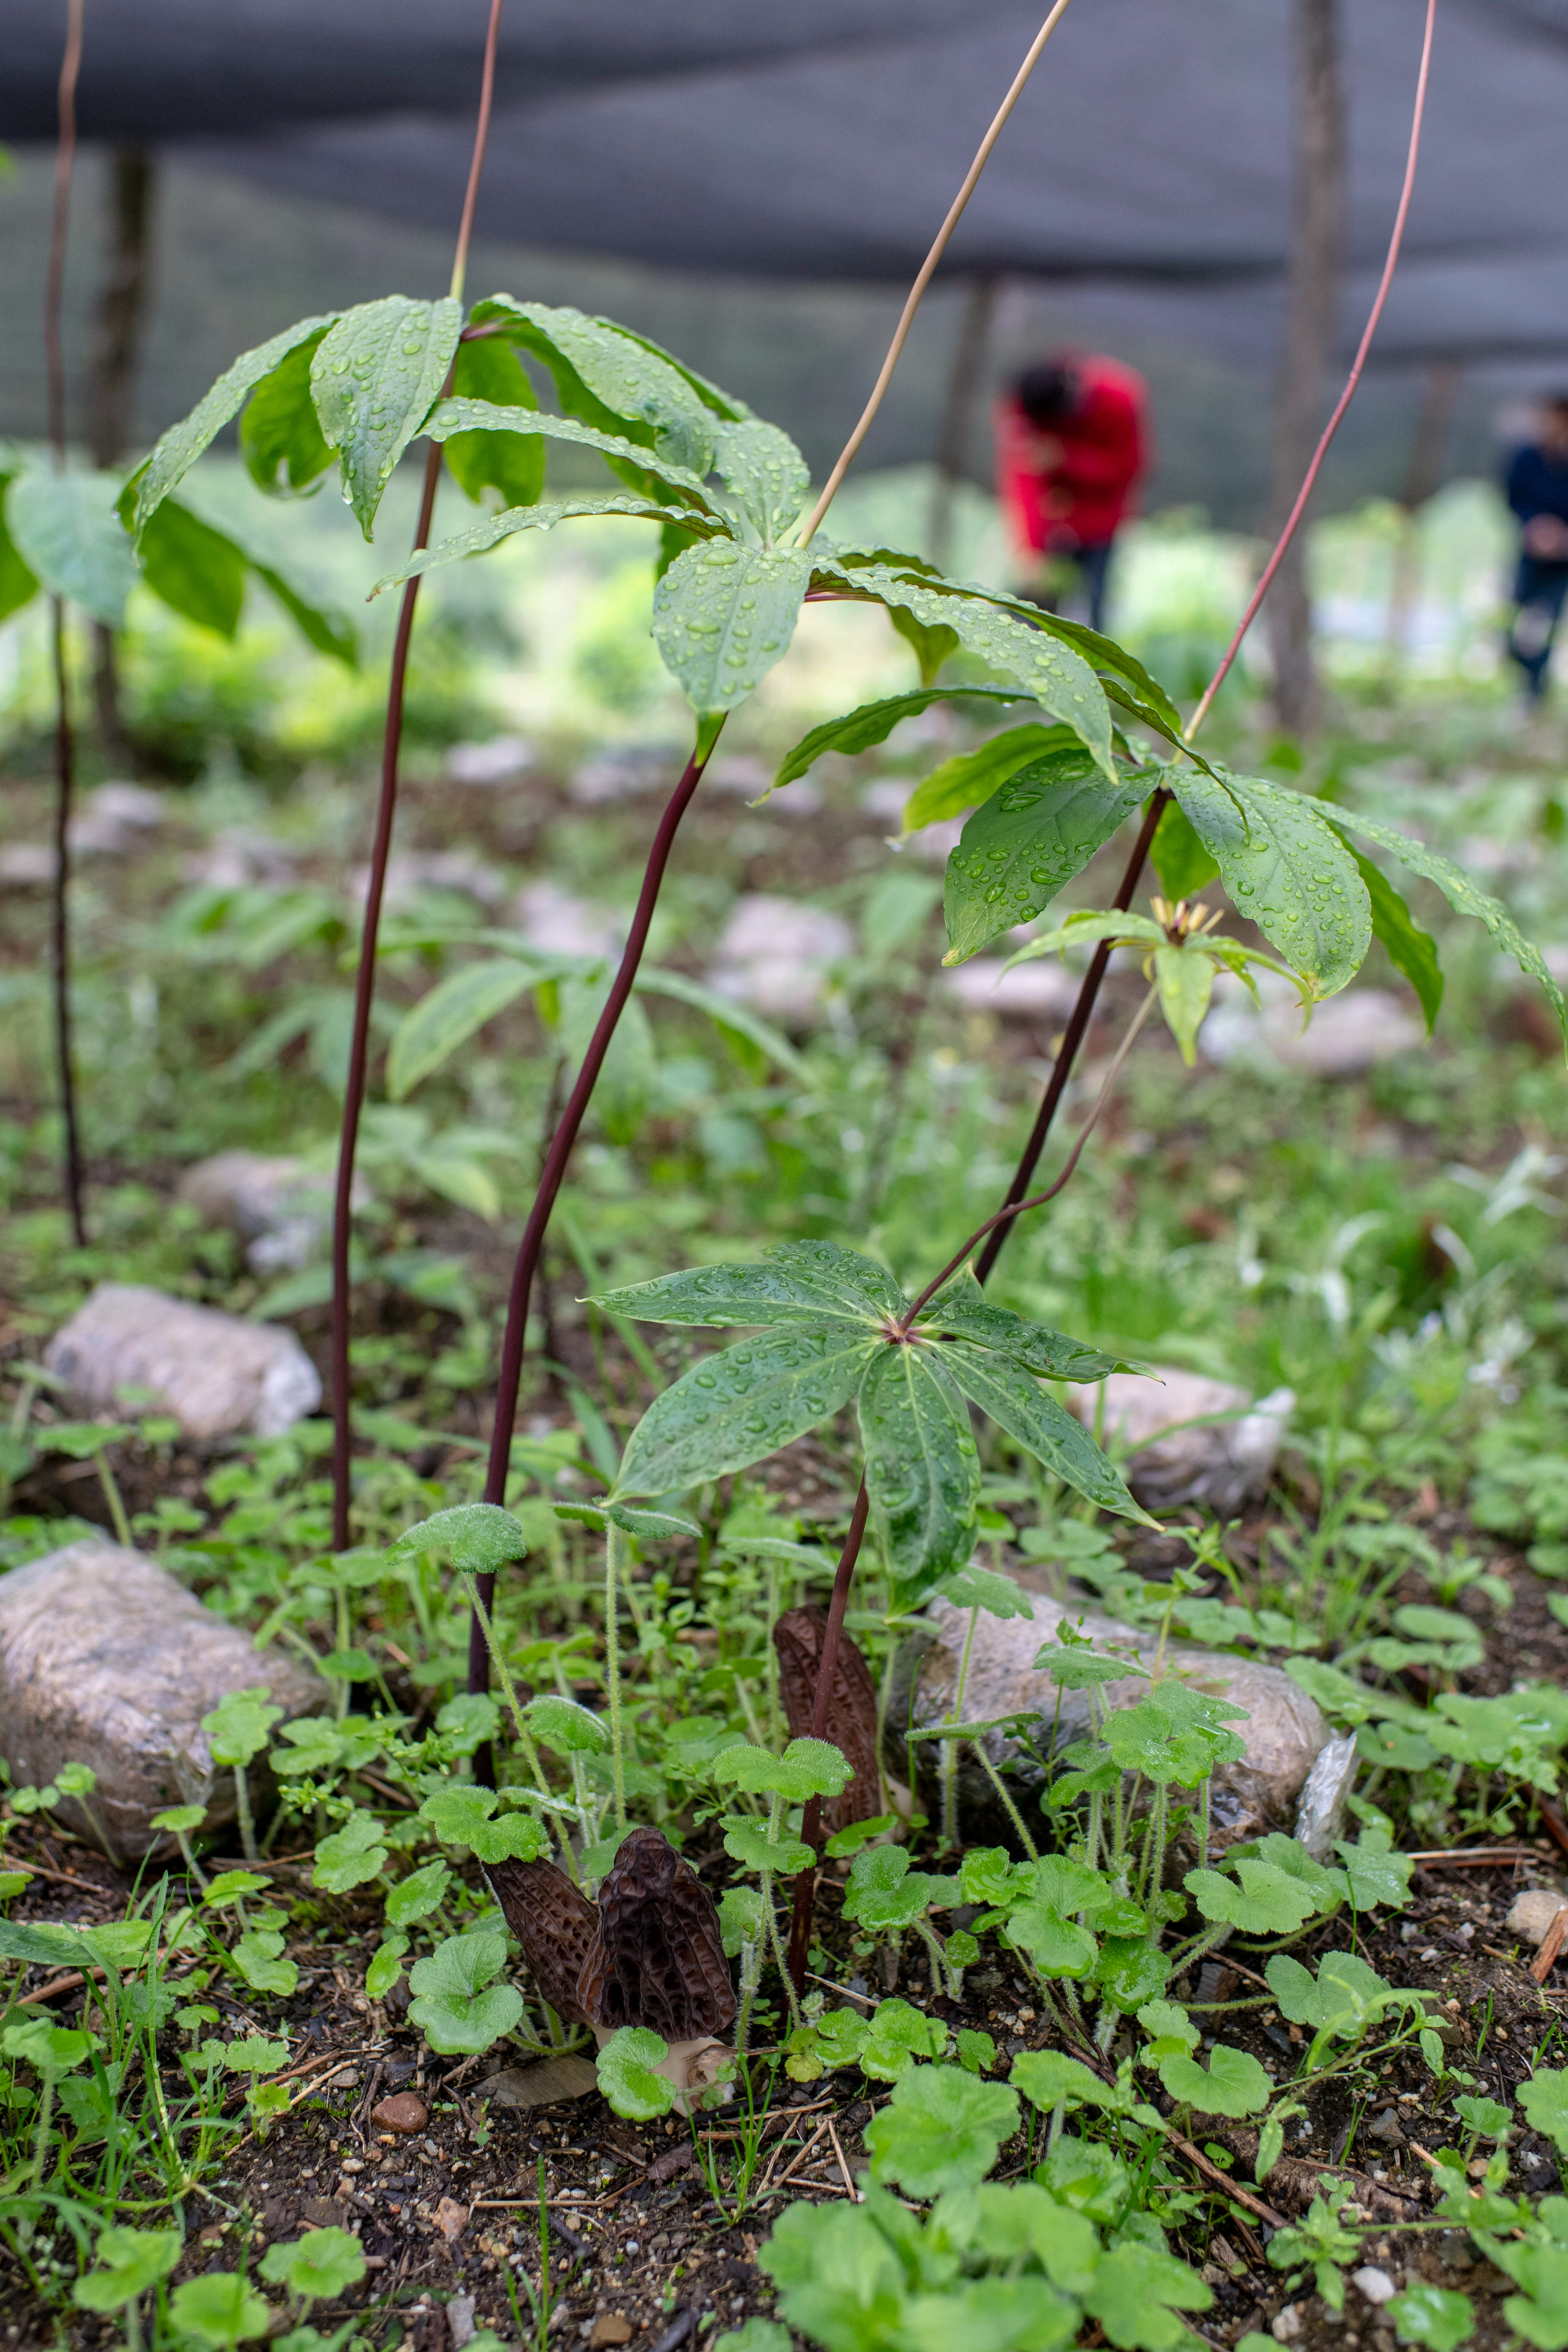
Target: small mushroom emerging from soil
852,1709
657,1959
555,1923
650,1955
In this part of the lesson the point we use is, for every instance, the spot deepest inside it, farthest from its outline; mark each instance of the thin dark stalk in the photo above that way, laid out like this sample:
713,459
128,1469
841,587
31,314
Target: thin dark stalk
375,889
555,1163
359,1042
1017,1208
1083,1009
54,359
810,1823
1072,1038
64,768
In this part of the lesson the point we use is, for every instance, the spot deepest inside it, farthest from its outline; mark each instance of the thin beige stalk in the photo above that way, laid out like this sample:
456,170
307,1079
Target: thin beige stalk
927,270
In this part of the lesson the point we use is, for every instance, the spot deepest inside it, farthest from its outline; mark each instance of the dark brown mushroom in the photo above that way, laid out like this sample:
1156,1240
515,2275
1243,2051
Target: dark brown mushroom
851,1712
556,1924
657,1958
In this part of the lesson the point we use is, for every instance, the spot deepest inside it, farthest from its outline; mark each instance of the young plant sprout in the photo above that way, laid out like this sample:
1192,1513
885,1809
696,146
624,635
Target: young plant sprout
236,1731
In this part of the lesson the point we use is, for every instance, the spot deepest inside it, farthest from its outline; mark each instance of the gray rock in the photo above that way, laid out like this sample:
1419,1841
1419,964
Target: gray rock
1374,2284
776,954
1035,989
216,1374
1532,1914
1223,1463
1348,1034
1321,1815
280,1210
1284,1731
105,1660
496,761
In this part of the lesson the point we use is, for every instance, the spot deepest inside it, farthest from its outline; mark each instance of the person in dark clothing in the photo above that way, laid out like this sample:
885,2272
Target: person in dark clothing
1538,493
1072,443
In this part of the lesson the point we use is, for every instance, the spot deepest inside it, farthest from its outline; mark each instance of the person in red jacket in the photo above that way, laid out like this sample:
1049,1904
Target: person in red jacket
1072,445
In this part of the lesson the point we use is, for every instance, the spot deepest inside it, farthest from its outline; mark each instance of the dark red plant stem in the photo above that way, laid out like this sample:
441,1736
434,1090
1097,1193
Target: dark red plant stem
64,761
1072,1038
810,1823
554,1171
358,1042
54,359
364,979
1083,1009
1017,1208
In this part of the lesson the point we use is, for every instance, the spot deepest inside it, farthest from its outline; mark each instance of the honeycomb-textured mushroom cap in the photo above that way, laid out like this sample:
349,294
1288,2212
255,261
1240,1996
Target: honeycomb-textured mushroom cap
657,1958
556,1924
851,1713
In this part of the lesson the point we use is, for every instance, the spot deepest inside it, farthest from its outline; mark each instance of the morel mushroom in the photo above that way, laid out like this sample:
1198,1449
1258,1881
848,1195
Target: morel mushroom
657,1958
851,1713
554,1924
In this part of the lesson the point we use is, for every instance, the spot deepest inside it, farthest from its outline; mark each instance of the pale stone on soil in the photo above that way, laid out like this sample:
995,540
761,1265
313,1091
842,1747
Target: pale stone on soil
1221,1464
1034,989
1532,1914
218,1375
1283,1730
777,955
556,923
280,1209
105,1660
1348,1034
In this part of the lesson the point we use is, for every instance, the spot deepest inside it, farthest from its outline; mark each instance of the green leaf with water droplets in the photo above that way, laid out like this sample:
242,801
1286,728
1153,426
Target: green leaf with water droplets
1031,837
1034,1420
1178,856
375,374
873,722
66,532
1059,678
1286,870
799,1281
962,1308
483,536
182,444
732,1409
764,472
455,419
280,433
512,462
723,615
613,379
1462,894
968,780
923,1466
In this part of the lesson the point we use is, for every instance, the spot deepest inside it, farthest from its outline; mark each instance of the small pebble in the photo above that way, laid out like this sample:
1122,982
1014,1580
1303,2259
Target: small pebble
1374,2284
1533,1912
404,2112
1287,2325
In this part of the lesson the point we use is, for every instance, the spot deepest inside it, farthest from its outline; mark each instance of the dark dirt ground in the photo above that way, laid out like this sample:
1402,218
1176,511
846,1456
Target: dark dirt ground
639,2248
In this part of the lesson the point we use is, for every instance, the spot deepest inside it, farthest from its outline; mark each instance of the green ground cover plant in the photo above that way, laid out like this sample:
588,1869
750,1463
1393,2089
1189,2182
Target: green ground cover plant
618,1568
